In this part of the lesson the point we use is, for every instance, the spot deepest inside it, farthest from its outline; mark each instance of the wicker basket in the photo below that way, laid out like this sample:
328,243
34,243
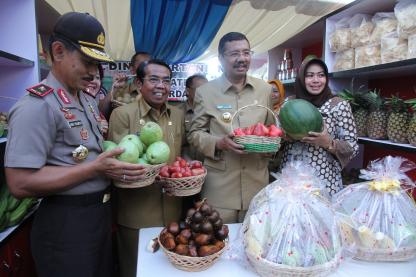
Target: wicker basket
150,175
266,268
384,255
192,264
185,186
256,144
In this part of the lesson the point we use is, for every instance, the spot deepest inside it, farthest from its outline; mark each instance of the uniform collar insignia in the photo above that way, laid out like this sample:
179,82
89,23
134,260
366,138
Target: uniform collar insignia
63,96
40,90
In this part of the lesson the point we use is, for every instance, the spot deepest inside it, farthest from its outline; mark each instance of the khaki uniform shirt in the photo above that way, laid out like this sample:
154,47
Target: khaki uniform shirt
189,152
232,180
45,130
130,89
147,206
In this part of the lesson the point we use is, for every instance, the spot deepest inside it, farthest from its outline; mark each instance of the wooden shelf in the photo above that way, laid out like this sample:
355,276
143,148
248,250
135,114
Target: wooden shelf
3,140
394,69
387,144
8,59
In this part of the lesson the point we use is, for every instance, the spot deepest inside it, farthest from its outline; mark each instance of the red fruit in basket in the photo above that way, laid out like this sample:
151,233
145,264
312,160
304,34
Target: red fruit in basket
178,158
164,173
187,173
197,171
182,163
260,130
207,250
196,164
238,132
176,175
275,131
249,130
176,164
174,169
181,249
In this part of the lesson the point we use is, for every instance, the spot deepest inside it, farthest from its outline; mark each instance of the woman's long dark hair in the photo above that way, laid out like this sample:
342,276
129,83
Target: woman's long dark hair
300,89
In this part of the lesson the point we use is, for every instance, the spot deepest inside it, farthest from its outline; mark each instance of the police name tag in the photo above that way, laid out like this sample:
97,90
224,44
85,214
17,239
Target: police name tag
224,107
75,123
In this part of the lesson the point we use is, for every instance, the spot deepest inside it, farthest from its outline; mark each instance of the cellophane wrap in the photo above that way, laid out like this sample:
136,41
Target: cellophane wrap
289,222
379,213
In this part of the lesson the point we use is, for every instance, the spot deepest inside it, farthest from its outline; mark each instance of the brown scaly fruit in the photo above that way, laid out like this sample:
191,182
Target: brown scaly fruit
411,129
398,120
359,107
377,118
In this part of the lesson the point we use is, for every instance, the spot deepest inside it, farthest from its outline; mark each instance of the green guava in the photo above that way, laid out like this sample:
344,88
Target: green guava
135,139
150,133
109,145
158,152
142,161
131,152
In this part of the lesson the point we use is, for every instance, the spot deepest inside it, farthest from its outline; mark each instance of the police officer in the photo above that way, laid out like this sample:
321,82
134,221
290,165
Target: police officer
234,176
54,151
147,206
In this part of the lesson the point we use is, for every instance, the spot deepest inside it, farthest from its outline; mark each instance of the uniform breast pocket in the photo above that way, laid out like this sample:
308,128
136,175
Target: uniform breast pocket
72,136
218,165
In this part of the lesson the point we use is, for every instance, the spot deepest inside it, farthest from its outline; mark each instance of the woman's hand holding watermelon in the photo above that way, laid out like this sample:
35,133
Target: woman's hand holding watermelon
319,139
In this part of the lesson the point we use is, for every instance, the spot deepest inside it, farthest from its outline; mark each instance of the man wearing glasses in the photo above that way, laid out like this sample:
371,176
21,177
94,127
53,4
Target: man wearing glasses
234,176
148,206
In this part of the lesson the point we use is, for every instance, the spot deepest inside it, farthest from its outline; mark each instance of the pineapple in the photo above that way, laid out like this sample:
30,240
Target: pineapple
398,120
411,129
377,118
359,107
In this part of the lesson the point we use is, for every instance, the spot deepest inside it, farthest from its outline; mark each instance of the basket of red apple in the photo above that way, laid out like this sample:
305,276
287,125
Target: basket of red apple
183,178
196,243
258,138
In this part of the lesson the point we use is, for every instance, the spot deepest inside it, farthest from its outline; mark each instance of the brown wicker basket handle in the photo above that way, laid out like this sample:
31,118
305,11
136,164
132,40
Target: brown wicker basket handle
250,106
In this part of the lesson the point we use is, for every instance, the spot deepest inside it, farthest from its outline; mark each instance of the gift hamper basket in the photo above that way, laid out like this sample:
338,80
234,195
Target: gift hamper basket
257,138
198,242
380,217
290,227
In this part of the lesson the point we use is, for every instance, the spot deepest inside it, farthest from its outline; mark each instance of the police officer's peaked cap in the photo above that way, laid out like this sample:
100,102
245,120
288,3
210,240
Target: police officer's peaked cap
85,32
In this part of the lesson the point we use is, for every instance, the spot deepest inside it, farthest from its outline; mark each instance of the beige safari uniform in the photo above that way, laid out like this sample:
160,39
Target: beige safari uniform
129,88
232,180
189,152
148,206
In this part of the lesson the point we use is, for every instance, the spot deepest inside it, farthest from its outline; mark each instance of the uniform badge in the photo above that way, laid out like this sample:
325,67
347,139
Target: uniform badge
84,134
67,114
226,117
40,90
101,39
80,153
75,123
64,97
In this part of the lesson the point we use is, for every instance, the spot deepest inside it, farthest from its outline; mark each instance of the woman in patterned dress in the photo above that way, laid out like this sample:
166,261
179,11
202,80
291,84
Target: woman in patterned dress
331,150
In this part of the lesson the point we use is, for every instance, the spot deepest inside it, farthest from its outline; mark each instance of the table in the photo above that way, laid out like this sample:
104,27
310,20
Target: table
157,264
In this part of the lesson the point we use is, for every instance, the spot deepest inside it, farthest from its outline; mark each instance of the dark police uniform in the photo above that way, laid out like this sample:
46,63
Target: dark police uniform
71,232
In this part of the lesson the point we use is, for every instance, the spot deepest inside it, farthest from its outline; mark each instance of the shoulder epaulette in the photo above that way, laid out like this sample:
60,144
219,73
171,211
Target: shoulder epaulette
40,90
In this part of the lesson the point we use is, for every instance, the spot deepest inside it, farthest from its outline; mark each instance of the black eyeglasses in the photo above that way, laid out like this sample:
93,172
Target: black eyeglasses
156,81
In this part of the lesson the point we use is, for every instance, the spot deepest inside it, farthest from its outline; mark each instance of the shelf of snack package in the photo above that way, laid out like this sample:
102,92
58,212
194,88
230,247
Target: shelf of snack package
7,232
387,144
365,60
8,59
393,69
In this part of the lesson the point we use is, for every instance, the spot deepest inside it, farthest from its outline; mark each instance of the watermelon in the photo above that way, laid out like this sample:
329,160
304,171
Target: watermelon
298,117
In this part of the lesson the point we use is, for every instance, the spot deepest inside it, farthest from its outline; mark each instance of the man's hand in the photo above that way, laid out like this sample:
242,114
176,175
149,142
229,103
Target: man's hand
107,164
119,80
227,144
319,139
